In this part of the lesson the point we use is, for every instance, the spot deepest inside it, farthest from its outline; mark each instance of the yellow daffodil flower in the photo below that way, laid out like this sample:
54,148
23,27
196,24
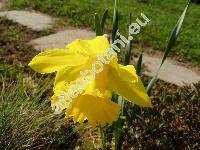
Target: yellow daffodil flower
87,73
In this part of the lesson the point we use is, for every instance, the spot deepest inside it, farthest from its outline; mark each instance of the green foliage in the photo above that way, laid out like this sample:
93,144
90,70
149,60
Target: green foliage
115,21
103,20
118,125
129,47
139,64
99,25
103,145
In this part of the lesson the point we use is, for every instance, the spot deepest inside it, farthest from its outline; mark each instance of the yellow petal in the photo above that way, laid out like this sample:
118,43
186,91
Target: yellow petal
99,84
67,75
92,105
125,82
127,73
56,59
98,111
91,47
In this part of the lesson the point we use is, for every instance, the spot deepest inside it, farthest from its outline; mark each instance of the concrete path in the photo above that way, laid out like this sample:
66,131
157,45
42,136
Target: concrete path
30,19
61,39
170,72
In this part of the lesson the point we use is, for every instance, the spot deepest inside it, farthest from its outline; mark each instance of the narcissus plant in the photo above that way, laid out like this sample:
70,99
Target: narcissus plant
87,73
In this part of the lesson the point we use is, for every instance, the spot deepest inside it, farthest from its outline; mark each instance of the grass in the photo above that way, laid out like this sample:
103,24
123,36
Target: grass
163,16
26,120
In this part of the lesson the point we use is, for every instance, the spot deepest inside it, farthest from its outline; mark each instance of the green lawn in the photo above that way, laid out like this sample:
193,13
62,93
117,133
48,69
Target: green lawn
163,16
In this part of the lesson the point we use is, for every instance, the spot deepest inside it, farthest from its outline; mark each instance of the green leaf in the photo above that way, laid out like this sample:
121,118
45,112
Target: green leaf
175,34
97,25
103,19
115,22
171,43
118,125
151,84
139,64
129,47
102,138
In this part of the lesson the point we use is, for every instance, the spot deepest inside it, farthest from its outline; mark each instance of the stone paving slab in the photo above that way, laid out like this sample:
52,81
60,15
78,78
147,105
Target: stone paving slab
170,71
61,39
30,19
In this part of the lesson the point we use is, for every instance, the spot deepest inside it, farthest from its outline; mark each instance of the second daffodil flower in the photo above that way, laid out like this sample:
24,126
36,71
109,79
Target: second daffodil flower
87,72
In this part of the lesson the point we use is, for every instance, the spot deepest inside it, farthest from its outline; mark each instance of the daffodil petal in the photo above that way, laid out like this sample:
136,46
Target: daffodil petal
130,88
56,59
67,75
91,47
98,111
99,84
127,73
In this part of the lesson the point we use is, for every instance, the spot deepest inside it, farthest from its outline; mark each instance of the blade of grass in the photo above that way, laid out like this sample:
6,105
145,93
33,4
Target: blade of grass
171,43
